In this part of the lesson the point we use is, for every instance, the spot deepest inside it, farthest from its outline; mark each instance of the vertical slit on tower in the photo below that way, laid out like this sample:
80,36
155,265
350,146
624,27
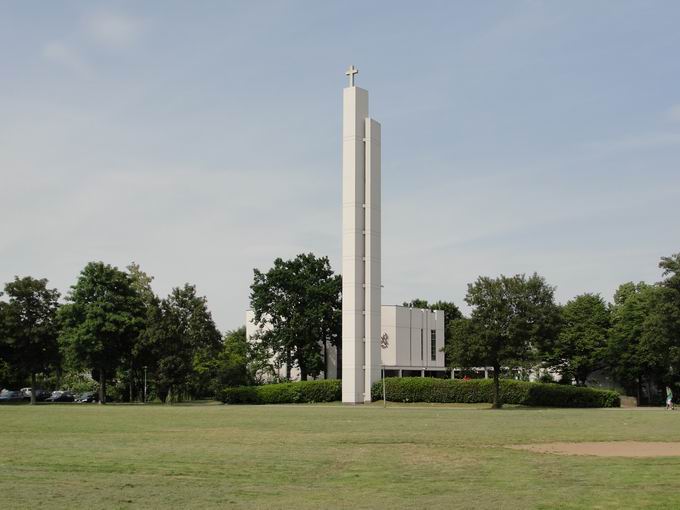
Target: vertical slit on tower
363,258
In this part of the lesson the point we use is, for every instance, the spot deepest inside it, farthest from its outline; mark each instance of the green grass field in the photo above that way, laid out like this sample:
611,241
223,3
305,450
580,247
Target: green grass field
326,456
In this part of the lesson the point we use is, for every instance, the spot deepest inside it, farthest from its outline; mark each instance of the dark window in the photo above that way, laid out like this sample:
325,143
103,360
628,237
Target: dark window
433,345
422,353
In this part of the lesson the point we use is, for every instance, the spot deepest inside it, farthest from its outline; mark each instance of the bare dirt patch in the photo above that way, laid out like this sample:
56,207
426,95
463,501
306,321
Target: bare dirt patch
606,448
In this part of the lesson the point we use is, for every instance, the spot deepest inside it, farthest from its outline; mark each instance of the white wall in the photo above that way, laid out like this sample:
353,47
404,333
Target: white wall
405,326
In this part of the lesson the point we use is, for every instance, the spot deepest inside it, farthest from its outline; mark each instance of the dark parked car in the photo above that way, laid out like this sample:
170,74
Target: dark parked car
40,395
7,396
61,396
87,397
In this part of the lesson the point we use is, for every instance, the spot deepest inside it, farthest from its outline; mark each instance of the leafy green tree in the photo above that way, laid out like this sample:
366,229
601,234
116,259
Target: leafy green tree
9,375
581,346
628,315
141,282
645,335
232,361
644,345
660,341
671,270
670,310
300,299
511,317
417,303
28,333
102,318
141,352
184,340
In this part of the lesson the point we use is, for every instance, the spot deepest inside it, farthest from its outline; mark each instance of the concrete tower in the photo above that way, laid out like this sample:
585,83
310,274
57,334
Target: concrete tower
360,245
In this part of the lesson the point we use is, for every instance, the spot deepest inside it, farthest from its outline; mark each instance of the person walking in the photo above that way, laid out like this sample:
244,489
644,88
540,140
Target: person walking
669,398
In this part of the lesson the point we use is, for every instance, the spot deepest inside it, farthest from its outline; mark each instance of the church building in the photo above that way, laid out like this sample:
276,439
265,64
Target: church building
411,343
402,341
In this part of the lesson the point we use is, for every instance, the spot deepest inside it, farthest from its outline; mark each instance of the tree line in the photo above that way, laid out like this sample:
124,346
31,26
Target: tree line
514,323
112,329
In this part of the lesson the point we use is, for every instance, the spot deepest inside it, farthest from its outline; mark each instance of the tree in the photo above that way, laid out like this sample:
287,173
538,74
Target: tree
660,340
29,330
232,361
300,299
141,282
671,270
510,317
417,303
581,346
103,317
627,315
631,360
668,313
141,353
184,340
644,346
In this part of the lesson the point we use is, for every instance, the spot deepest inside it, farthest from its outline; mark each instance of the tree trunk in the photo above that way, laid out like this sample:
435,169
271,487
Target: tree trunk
639,391
497,404
32,388
580,379
301,362
102,387
325,359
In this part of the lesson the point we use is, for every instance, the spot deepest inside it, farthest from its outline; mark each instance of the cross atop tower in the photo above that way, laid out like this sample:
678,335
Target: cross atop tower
351,72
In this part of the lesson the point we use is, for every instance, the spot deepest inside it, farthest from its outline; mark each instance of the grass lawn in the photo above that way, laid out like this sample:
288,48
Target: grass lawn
326,456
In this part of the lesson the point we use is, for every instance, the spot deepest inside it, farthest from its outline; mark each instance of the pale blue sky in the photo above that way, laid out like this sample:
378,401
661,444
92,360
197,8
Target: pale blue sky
202,139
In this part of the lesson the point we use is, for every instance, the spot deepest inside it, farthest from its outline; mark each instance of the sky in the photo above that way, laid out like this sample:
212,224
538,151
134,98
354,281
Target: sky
203,139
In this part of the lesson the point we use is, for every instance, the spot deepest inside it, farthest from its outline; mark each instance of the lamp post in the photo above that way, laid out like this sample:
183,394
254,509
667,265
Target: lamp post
145,384
384,344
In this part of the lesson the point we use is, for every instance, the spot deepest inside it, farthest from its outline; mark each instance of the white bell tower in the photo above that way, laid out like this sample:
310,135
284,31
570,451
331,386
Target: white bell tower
361,287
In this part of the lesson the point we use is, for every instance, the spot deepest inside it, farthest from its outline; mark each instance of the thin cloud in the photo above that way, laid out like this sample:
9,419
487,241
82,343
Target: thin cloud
62,54
113,30
637,142
674,113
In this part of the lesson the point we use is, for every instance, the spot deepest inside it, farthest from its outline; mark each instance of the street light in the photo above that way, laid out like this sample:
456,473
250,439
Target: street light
384,344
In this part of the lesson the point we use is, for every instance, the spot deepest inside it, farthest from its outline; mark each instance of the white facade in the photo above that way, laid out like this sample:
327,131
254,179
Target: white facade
418,339
413,339
361,289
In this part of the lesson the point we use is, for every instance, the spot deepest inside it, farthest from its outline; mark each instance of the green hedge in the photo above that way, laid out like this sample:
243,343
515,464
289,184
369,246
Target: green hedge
419,389
328,390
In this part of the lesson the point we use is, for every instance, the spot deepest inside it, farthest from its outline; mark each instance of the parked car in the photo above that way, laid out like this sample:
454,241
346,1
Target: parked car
40,395
61,396
7,396
87,397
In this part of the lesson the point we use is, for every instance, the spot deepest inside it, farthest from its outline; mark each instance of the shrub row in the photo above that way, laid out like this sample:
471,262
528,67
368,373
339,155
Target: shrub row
328,390
418,389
